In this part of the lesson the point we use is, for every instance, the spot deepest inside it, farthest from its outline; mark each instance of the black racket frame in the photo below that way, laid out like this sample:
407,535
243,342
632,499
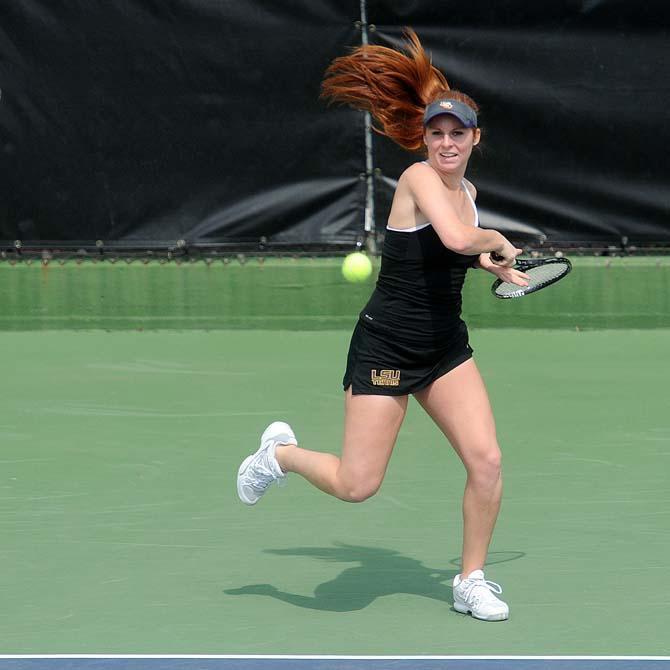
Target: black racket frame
525,264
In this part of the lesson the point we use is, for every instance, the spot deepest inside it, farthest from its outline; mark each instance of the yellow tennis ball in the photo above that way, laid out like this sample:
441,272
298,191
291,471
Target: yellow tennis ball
356,267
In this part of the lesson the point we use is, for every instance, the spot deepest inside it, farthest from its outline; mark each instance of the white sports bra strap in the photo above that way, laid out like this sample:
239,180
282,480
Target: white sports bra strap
472,202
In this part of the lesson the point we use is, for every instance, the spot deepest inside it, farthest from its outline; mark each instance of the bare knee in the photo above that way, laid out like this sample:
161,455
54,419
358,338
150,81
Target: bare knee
357,492
485,466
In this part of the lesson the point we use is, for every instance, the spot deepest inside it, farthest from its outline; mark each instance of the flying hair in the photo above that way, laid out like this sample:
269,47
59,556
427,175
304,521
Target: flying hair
394,86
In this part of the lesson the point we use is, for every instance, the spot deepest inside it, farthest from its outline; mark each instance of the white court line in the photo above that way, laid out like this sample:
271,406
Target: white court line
334,658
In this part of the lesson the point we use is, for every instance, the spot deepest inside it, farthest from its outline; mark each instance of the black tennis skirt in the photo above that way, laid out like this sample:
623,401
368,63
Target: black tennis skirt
379,363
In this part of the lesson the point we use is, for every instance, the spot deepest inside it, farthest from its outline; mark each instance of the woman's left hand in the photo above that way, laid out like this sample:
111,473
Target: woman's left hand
511,275
505,274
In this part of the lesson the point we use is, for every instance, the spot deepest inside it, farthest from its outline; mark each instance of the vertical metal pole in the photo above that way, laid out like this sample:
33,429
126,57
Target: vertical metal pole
369,163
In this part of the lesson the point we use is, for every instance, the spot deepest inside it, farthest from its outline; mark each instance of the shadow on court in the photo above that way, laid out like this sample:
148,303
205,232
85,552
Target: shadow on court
380,572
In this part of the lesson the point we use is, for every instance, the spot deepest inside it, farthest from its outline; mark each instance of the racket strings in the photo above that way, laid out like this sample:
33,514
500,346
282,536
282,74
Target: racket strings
538,277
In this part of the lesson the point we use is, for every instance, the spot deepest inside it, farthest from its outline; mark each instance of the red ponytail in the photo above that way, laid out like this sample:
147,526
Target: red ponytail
395,87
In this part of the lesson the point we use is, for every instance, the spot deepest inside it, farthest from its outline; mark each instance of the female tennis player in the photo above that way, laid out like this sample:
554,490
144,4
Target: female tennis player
410,338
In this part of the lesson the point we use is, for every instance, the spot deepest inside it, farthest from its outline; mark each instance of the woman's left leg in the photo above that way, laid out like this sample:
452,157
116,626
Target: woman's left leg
459,405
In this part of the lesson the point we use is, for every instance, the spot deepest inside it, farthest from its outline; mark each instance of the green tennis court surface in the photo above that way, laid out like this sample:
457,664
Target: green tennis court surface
201,662
122,533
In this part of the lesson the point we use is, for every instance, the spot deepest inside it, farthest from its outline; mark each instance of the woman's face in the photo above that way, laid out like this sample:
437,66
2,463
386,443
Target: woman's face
449,143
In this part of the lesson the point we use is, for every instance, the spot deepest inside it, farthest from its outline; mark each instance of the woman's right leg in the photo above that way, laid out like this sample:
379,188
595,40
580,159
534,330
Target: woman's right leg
371,426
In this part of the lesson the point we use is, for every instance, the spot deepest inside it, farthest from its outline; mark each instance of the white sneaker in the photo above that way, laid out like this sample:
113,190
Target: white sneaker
475,595
261,469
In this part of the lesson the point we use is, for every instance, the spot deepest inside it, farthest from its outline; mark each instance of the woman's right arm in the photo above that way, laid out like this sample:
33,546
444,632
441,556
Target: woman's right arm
430,197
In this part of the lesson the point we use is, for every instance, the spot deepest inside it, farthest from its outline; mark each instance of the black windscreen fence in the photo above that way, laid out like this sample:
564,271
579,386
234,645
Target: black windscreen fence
145,123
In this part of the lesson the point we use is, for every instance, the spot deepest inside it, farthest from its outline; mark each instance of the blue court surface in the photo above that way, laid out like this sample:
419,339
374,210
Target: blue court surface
130,662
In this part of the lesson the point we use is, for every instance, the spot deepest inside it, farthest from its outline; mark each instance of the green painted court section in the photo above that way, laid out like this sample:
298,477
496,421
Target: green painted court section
122,533
304,294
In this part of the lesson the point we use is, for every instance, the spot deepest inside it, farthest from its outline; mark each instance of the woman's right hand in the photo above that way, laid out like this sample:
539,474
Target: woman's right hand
507,255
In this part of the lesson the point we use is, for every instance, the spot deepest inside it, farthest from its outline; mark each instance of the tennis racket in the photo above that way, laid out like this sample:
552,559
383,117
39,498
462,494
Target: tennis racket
542,272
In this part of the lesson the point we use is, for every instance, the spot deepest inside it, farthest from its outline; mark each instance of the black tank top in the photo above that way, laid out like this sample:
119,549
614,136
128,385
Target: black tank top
418,291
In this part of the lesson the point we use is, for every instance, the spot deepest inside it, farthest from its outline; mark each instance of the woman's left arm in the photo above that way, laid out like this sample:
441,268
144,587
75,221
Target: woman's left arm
506,274
485,263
